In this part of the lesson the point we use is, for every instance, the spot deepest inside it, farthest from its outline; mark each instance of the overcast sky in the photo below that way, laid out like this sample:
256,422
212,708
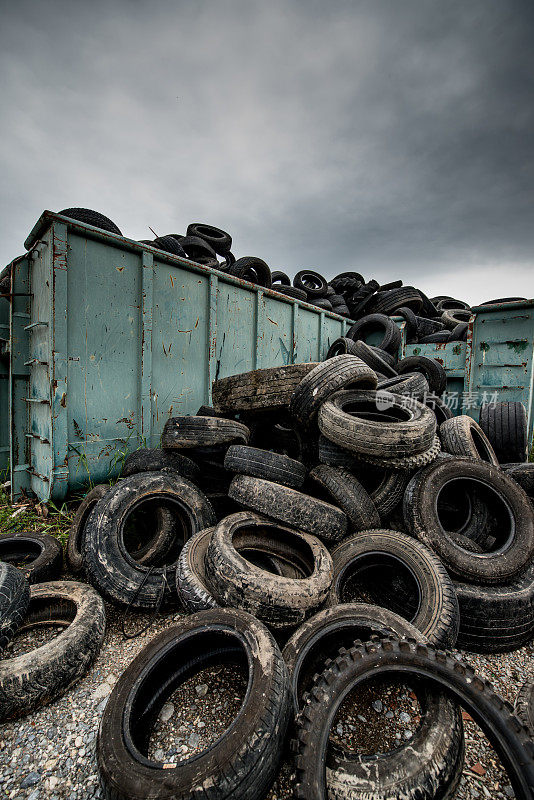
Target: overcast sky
394,138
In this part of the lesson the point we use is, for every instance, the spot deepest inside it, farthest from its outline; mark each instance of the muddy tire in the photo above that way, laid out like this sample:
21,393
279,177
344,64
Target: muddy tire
379,360
273,599
38,556
396,430
429,367
321,636
243,762
36,678
290,507
77,529
191,582
154,460
324,380
386,487
462,436
265,464
406,463
349,495
374,560
109,566
505,425
14,600
516,529
412,384
263,389
407,660
189,432
523,474
524,706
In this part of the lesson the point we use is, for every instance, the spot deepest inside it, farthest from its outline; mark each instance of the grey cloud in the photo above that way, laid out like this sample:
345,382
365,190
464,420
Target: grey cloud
395,138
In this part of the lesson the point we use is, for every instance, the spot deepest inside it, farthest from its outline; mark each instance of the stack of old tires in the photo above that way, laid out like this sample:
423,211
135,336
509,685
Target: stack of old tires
312,508
31,595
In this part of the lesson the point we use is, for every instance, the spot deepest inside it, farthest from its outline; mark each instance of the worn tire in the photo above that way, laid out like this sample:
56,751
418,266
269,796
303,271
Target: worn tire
39,676
280,277
422,518
386,487
77,529
379,360
374,323
191,582
433,607
394,432
189,432
292,292
250,268
39,556
290,507
91,217
154,460
389,301
242,763
440,409
405,463
218,239
342,346
321,636
349,495
109,568
496,619
412,384
310,282
168,244
265,464
523,474
275,600
462,436
429,367
505,425
14,601
524,706
375,660
324,380
262,389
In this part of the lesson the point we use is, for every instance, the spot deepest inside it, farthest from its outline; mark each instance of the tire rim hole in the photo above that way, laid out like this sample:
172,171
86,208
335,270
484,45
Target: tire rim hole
154,531
381,579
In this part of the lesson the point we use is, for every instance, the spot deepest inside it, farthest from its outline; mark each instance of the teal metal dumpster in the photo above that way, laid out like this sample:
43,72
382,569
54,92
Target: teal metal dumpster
110,337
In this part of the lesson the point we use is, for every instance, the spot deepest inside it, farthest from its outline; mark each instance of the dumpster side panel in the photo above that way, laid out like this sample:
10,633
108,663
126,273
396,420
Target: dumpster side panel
4,388
452,356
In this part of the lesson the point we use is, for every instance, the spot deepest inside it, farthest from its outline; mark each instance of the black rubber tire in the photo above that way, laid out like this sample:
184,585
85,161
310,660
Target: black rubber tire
375,358
188,432
347,282
411,384
404,297
451,304
320,638
74,551
373,323
422,518
386,287
404,463
264,464
275,600
38,556
386,487
154,460
14,601
505,425
91,217
396,431
218,239
496,619
429,367
262,389
280,277
290,507
341,346
324,380
322,302
291,291
459,333
427,327
440,336
453,318
250,268
411,323
198,250
462,436
405,659
440,409
310,282
191,582
39,676
349,495
433,606
242,763
109,567
523,474
524,706
169,244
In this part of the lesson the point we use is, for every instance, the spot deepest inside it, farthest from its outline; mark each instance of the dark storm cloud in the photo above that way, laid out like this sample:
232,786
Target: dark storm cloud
394,137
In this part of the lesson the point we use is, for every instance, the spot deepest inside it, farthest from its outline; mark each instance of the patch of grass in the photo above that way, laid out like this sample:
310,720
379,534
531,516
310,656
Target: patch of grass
30,515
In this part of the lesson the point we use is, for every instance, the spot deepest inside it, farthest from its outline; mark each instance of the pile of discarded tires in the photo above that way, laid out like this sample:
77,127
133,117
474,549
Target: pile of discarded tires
312,508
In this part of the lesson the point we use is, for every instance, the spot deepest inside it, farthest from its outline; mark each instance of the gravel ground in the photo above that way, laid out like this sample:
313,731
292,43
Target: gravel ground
51,753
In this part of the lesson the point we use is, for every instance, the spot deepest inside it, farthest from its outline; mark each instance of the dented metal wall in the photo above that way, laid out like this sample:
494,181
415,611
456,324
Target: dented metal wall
110,337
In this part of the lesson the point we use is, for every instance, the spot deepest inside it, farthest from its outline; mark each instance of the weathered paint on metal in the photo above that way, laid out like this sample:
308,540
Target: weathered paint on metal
120,336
